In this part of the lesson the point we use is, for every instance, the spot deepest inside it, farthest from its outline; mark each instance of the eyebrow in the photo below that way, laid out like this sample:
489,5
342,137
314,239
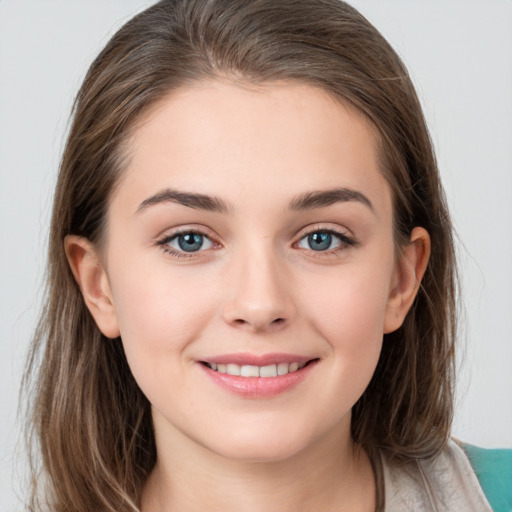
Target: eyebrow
190,199
324,198
305,201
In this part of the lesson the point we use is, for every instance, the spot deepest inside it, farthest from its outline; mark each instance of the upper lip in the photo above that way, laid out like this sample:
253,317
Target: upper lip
257,359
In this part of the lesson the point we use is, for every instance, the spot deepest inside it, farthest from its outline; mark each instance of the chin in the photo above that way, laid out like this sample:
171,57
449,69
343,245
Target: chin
261,452
267,444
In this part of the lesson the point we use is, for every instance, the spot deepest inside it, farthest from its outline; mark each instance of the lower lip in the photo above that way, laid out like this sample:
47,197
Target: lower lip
259,387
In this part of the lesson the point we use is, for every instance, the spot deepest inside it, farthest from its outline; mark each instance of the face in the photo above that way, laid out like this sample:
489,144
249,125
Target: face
251,233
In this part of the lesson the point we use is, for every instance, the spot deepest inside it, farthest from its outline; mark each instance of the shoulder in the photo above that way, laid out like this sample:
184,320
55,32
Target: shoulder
446,482
493,467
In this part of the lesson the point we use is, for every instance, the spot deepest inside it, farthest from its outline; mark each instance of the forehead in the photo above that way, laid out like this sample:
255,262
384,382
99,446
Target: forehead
272,140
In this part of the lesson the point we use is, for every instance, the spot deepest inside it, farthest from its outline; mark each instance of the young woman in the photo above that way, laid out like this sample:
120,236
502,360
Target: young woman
251,286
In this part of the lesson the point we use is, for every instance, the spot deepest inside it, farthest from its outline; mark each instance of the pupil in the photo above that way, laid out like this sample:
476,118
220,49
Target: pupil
190,242
320,241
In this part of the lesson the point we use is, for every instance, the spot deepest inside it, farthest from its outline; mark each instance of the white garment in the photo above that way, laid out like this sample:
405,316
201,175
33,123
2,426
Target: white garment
446,483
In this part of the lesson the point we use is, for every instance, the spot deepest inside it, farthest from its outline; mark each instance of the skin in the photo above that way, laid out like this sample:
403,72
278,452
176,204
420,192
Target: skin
257,286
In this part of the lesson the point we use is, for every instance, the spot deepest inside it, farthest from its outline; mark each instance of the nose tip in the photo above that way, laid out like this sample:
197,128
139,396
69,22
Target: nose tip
259,299
256,320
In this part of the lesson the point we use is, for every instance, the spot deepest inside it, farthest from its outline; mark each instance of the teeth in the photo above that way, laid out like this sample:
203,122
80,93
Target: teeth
249,371
271,370
232,369
268,371
283,368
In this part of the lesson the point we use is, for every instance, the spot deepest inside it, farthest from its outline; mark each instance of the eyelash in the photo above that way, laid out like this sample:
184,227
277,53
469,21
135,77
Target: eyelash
344,242
164,243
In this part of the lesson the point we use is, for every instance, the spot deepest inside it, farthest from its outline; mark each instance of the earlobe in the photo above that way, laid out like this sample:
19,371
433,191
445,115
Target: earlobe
92,279
410,269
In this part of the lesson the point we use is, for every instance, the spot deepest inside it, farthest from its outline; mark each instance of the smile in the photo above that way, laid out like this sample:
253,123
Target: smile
258,381
271,370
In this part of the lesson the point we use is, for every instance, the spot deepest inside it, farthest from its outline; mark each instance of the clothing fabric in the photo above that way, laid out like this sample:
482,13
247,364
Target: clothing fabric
493,467
446,483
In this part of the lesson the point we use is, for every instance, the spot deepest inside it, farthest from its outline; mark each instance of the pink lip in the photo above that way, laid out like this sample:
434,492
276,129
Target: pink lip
258,387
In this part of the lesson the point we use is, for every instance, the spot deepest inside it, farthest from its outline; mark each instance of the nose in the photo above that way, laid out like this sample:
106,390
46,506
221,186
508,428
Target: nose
259,294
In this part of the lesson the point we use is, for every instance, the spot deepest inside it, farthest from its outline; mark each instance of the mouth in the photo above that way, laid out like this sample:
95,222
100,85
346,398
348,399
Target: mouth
248,370
273,376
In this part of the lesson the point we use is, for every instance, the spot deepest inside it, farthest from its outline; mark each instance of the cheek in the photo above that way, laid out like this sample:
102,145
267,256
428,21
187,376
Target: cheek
159,313
349,303
347,309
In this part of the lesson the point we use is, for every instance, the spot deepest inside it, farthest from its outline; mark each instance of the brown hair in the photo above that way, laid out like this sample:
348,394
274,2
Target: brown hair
91,422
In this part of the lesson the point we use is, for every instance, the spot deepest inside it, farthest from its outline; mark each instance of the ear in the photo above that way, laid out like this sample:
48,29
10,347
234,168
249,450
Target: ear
93,281
409,271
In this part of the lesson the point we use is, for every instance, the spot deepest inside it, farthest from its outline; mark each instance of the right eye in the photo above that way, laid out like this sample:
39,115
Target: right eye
186,242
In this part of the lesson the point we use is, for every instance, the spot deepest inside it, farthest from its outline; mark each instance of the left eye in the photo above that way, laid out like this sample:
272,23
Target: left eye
321,241
189,242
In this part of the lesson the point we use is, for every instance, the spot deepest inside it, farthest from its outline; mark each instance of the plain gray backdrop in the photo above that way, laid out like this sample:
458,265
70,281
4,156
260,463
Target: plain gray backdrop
460,56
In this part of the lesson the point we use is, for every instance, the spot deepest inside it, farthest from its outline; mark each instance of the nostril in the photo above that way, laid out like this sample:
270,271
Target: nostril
241,322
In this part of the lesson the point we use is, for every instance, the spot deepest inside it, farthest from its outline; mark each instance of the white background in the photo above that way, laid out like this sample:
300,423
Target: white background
460,56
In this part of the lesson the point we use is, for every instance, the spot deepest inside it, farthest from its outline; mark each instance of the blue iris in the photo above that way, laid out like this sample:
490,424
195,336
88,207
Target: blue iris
320,241
190,242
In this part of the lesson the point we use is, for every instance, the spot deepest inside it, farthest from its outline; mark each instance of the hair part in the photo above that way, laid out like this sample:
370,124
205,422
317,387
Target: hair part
91,421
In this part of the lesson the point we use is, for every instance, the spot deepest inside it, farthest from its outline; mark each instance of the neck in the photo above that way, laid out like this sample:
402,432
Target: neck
332,474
